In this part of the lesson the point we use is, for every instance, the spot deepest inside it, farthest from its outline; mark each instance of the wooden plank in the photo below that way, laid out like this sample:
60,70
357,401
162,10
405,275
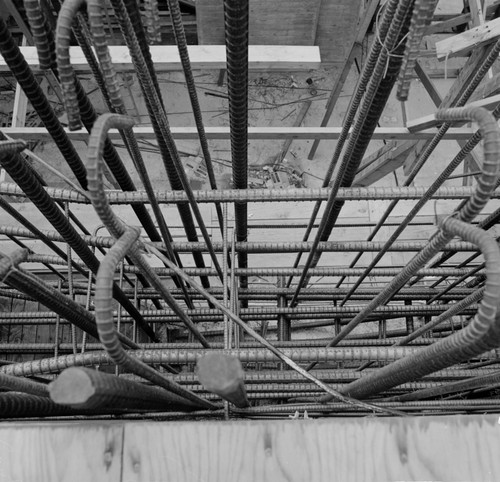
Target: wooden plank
429,121
389,161
190,133
280,22
298,122
166,58
451,448
439,27
472,159
461,44
60,452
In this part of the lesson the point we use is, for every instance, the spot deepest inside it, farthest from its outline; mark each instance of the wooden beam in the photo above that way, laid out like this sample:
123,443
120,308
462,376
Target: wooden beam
354,52
461,44
386,162
298,122
190,133
472,159
429,121
166,57
439,27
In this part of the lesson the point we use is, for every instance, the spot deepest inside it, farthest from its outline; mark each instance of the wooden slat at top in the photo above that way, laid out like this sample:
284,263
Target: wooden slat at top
166,57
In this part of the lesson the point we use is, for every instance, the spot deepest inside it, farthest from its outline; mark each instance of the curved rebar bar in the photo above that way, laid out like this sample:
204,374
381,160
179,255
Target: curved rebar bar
111,221
106,327
485,185
479,336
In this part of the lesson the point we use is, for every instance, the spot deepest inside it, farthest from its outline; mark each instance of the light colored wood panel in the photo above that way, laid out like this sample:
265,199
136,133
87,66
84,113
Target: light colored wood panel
190,133
166,57
60,452
463,43
453,448
280,22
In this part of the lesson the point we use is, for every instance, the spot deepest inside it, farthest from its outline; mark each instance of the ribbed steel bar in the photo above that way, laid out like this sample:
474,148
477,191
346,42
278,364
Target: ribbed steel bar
324,271
21,405
491,380
486,183
130,23
24,76
255,195
457,160
180,38
423,12
373,84
431,145
236,20
156,357
376,96
249,247
91,389
274,351
422,407
115,226
53,299
38,26
19,171
479,336
270,294
269,311
107,332
79,108
95,12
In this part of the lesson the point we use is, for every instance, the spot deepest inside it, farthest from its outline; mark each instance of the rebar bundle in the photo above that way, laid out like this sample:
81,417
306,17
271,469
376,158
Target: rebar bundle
121,324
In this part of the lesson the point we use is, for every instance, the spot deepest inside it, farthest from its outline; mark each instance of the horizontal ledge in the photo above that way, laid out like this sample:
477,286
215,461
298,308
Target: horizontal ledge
166,57
187,133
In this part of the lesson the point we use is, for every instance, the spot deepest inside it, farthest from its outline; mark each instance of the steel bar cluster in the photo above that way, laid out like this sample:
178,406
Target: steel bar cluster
137,315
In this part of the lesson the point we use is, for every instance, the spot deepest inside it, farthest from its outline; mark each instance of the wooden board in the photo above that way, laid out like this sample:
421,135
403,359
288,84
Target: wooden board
463,43
190,133
280,22
449,448
166,58
54,452
367,449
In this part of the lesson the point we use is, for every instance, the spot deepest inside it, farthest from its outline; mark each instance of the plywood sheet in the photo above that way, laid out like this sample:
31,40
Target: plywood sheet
277,22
